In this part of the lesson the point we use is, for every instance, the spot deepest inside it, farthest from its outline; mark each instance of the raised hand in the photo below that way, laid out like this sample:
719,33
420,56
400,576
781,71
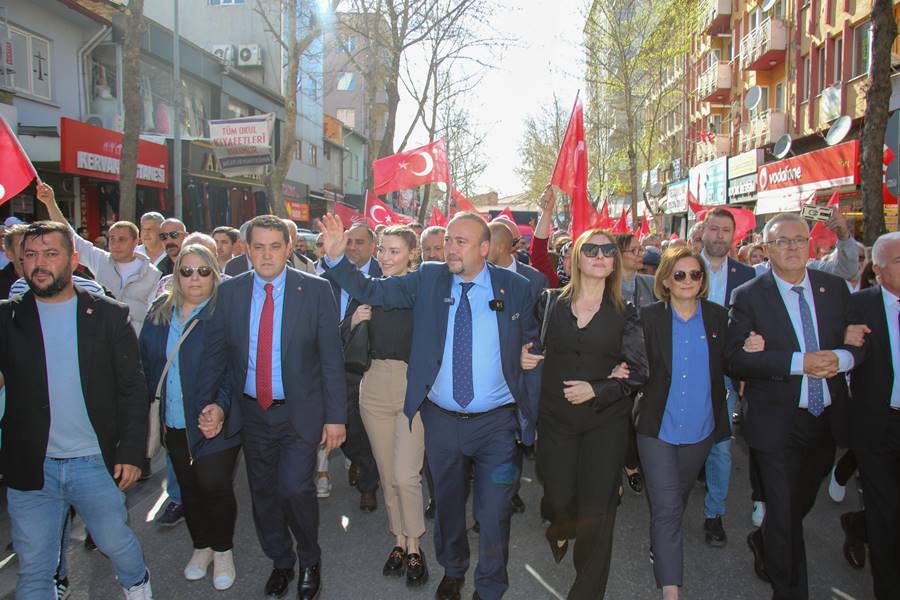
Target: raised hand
333,236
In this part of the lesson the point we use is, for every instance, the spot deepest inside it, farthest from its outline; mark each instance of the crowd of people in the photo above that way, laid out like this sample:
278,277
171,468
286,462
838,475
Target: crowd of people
449,355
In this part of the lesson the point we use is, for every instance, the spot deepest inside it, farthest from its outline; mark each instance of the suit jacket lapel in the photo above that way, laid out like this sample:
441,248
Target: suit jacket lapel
86,328
500,294
445,290
244,299
778,311
664,337
291,310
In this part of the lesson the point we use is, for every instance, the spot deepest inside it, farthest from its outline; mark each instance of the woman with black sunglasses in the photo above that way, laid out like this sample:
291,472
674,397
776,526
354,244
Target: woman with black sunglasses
585,406
172,351
681,411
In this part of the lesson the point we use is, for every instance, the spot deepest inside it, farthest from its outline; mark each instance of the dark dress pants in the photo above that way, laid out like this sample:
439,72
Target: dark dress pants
281,468
356,447
791,478
489,442
880,469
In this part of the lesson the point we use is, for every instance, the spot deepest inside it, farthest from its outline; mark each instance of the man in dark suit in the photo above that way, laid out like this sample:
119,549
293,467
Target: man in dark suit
797,397
472,404
75,428
171,233
275,361
875,413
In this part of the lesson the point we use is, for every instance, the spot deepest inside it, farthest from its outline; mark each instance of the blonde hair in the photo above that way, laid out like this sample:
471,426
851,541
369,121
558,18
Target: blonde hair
613,282
162,314
667,266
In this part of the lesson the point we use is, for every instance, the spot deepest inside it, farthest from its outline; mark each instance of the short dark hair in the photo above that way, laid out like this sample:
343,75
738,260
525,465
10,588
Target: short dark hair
471,216
372,236
623,240
127,225
232,233
723,214
42,228
268,222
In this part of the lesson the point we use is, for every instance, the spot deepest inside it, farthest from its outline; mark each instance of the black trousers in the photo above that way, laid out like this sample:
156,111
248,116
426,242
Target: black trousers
791,478
880,469
207,492
582,471
356,447
281,469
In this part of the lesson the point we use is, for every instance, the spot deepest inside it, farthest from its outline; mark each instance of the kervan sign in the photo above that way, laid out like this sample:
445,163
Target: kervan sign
96,152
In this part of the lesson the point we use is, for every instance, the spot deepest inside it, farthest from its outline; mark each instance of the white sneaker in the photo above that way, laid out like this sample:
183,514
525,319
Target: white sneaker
835,490
141,591
199,563
323,487
759,513
223,570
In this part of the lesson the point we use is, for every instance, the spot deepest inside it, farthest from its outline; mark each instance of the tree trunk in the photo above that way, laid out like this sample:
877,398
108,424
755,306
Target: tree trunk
392,87
131,104
884,30
275,181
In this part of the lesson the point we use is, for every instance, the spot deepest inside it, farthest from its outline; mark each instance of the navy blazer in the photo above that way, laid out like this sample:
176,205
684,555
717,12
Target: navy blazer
374,271
427,292
536,279
191,355
312,359
738,275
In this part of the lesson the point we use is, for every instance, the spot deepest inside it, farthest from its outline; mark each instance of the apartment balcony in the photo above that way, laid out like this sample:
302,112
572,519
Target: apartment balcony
762,129
714,84
764,47
716,19
720,146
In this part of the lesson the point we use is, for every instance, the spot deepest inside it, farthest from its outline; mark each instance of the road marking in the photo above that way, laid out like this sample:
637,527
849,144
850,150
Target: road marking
541,581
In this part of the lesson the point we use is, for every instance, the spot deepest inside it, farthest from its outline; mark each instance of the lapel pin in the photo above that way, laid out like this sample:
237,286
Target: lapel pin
90,311
449,301
715,334
515,316
822,290
299,288
733,270
502,291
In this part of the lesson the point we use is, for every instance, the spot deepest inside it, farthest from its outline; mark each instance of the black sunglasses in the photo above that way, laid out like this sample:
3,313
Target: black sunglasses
172,235
695,275
592,250
189,271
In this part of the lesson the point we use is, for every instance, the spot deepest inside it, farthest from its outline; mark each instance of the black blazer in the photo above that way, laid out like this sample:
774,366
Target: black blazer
374,271
772,392
738,275
115,392
312,361
237,265
536,280
872,379
650,405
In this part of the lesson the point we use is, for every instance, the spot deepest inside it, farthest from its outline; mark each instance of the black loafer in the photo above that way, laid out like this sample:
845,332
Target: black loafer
636,482
416,569
277,585
759,565
714,532
518,506
559,552
395,564
448,588
310,583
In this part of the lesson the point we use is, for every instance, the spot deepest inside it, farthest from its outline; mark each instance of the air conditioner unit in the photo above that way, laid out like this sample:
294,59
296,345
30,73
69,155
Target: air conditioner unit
224,52
249,55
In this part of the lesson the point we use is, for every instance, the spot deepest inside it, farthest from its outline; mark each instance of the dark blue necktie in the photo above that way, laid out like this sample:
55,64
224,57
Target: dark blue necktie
463,389
816,388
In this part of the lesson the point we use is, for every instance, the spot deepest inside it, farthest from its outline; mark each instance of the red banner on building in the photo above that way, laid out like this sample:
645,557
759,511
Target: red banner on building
95,152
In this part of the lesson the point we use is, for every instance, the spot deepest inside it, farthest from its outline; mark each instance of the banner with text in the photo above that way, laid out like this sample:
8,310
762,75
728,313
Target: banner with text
243,146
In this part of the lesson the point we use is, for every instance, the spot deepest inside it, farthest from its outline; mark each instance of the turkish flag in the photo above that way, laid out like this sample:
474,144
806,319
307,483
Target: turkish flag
16,171
621,225
437,218
821,236
348,214
461,203
602,220
378,213
744,220
645,228
570,172
410,169
506,212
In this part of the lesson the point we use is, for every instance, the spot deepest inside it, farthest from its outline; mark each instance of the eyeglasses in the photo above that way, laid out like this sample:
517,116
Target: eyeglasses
320,244
694,275
174,235
636,251
782,242
592,250
189,271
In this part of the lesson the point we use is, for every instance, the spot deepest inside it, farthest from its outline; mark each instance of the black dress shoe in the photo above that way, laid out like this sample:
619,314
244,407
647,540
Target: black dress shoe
636,482
416,569
353,475
368,502
395,564
429,509
448,588
517,505
854,547
277,585
715,532
310,583
755,544
558,551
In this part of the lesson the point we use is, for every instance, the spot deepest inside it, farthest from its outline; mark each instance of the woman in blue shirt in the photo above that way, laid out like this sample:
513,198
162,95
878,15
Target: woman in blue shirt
204,467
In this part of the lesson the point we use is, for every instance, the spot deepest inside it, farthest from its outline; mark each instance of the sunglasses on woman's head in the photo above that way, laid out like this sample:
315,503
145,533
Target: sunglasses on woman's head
189,271
694,275
592,250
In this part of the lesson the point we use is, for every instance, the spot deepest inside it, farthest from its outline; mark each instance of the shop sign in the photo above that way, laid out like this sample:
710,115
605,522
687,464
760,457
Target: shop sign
297,211
745,163
708,182
243,146
202,162
741,189
96,152
676,197
294,191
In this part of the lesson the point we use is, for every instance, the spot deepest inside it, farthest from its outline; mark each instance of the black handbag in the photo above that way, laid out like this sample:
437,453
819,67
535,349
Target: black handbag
356,350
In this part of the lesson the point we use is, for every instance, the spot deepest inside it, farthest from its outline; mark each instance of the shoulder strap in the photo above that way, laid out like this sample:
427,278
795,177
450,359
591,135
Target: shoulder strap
171,357
548,308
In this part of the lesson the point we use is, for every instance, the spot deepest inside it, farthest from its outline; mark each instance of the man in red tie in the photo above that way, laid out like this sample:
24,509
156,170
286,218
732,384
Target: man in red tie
275,361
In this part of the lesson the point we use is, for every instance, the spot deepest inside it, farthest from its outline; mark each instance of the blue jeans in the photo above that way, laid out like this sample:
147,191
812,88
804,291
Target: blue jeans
38,517
172,487
718,465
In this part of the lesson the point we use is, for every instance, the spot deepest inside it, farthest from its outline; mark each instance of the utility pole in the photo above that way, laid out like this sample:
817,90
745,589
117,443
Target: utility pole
176,130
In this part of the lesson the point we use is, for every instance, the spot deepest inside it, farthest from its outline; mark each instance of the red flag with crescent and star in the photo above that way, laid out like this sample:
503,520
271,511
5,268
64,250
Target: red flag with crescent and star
348,214
16,170
460,203
410,169
378,213
570,172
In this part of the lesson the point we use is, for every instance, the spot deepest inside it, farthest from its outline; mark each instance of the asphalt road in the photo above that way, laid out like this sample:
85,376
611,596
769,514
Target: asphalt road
355,546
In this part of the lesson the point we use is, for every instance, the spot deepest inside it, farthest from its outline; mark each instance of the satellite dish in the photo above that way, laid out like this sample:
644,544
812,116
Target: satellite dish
782,146
753,97
767,5
839,130
656,190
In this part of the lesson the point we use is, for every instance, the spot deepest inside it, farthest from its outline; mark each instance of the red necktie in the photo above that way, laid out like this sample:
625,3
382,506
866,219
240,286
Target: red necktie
264,352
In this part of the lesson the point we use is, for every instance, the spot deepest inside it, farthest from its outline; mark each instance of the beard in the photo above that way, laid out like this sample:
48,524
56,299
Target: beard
716,249
56,285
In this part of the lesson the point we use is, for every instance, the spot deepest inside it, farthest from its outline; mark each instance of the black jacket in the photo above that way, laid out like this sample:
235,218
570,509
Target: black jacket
650,405
112,381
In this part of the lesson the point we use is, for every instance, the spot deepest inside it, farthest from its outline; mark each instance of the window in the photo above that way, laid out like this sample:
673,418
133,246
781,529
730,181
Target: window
778,13
804,78
312,157
862,41
347,116
715,124
838,60
348,43
779,97
31,60
346,81
225,2
820,69
832,11
298,150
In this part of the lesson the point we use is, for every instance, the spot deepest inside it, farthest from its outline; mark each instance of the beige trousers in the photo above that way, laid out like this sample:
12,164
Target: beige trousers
398,451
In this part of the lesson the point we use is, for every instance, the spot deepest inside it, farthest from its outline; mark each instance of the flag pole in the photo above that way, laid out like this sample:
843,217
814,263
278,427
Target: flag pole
21,149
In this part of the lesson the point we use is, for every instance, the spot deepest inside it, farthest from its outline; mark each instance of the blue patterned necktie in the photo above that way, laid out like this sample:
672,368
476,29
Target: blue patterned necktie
463,389
816,388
